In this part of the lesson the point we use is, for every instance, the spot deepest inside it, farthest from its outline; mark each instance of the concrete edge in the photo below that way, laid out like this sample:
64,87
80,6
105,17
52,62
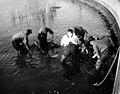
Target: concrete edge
111,9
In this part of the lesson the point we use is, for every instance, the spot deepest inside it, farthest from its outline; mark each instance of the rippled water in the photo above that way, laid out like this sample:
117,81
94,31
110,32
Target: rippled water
23,14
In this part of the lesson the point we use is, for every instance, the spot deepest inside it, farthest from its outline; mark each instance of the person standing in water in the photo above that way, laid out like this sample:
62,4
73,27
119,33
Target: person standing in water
70,44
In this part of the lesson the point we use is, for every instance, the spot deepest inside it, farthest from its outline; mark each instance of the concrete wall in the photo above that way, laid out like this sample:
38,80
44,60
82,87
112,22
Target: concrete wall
113,6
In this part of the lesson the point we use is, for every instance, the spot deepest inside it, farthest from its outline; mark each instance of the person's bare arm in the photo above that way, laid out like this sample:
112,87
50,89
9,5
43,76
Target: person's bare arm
97,52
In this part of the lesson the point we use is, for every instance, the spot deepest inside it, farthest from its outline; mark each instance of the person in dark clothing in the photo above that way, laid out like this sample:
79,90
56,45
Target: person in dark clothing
42,37
80,33
103,50
21,43
71,62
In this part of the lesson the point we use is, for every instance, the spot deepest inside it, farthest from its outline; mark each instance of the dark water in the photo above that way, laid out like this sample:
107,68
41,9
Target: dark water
43,75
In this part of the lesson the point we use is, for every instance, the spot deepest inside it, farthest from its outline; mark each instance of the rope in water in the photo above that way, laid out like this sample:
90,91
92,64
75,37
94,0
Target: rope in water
110,28
98,84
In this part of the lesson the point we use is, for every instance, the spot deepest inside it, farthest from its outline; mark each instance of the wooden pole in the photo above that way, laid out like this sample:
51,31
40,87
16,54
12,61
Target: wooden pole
116,88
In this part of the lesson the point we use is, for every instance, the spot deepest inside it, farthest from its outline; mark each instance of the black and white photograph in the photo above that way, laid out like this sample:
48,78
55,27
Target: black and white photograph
59,47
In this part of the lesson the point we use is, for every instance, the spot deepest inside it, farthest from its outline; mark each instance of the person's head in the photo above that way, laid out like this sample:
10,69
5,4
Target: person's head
70,32
29,31
77,31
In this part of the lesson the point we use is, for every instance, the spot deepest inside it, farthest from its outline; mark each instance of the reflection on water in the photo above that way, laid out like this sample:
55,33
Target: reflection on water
41,11
59,15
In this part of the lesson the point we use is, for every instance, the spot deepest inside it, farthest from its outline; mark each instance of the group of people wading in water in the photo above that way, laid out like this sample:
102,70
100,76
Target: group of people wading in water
75,44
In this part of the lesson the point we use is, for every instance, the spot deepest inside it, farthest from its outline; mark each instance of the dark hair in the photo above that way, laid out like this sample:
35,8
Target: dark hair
70,30
29,31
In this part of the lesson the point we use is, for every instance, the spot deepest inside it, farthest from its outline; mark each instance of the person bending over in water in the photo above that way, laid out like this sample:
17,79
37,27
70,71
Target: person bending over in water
42,37
21,43
80,33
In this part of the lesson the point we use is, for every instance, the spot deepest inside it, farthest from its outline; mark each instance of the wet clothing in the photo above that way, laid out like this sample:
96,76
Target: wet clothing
21,35
69,49
17,44
69,44
42,37
70,62
70,54
19,41
101,45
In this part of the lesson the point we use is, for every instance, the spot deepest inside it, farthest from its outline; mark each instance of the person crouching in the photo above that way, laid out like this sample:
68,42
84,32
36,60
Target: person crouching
21,43
42,37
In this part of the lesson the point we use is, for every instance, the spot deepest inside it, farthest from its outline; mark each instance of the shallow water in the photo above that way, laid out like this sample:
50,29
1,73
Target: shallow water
42,75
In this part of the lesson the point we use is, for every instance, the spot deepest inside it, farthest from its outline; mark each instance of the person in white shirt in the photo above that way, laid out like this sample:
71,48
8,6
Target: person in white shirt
21,43
69,37
70,44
